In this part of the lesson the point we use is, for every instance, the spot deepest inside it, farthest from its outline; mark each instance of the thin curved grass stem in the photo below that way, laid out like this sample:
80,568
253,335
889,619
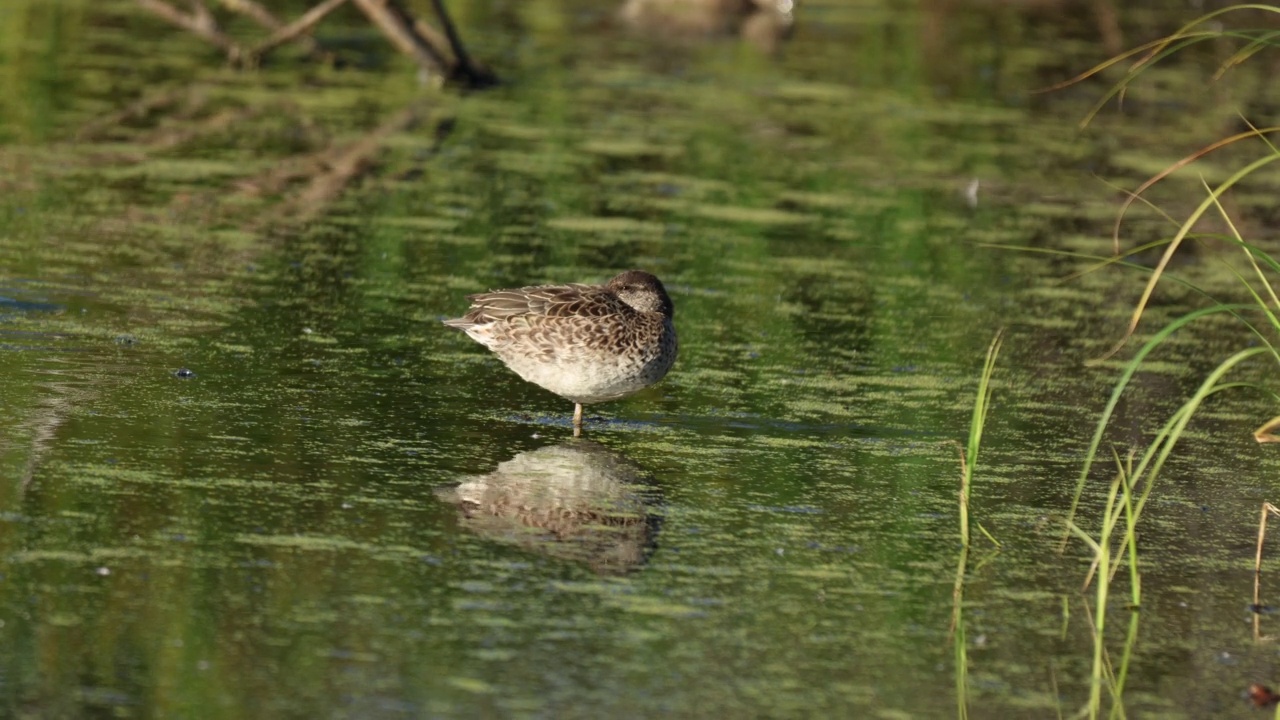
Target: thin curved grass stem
1163,49
1230,309
1185,29
1137,194
1130,369
1101,66
1117,259
1183,416
1165,441
1235,233
1177,242
1258,44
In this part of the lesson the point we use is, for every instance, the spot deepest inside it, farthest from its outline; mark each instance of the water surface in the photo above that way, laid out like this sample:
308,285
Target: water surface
235,452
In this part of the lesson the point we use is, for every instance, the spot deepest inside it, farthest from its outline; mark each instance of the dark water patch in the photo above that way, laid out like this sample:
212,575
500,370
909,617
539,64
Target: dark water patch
27,306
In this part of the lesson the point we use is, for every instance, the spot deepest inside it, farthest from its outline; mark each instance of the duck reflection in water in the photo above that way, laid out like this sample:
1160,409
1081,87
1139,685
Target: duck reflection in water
763,23
577,501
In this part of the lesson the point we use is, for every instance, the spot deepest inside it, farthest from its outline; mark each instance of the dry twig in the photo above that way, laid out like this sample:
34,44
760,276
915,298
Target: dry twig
475,75
298,27
1267,509
440,54
254,10
200,22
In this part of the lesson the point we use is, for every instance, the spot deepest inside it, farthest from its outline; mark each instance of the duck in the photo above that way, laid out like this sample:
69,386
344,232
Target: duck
586,343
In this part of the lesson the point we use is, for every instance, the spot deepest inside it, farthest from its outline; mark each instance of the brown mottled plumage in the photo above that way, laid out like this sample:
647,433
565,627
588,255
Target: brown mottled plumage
585,343
576,501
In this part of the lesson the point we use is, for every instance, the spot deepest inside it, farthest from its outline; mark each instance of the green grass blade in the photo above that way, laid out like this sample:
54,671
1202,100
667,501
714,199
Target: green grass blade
981,404
1176,242
1130,369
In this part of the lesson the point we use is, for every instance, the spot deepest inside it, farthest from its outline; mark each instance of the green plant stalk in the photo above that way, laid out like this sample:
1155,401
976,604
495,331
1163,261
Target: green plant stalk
981,404
1131,639
1095,685
1103,591
1172,432
1131,539
1102,558
1100,606
1135,588
1119,500
959,640
1124,471
969,461
1253,261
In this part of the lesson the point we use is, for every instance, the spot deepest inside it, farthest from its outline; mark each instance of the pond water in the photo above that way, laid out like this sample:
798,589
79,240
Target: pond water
234,452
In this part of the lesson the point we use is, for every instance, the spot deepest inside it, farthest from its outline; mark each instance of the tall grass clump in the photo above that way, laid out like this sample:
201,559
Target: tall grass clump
1119,502
1254,308
969,459
1257,308
969,462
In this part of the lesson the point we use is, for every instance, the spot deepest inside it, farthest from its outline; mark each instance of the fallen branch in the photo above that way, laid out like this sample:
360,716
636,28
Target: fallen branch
347,164
440,54
435,40
397,24
475,75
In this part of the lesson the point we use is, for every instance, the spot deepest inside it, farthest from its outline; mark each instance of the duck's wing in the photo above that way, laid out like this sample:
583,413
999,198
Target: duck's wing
542,301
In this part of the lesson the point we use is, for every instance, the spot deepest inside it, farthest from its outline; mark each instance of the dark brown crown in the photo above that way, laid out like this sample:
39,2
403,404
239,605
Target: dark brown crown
642,291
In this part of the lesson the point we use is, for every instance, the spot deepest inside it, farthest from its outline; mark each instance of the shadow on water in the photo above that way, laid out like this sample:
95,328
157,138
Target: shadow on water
60,380
578,501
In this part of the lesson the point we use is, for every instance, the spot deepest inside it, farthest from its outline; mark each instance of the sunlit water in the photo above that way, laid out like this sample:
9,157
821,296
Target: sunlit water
247,473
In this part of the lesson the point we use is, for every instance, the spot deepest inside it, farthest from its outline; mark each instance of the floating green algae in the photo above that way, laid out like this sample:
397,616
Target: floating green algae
279,530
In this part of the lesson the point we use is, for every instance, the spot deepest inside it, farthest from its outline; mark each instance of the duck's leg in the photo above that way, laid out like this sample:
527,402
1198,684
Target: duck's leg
577,419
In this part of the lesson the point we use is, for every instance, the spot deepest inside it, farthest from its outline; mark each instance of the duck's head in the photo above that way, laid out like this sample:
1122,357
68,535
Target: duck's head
642,291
